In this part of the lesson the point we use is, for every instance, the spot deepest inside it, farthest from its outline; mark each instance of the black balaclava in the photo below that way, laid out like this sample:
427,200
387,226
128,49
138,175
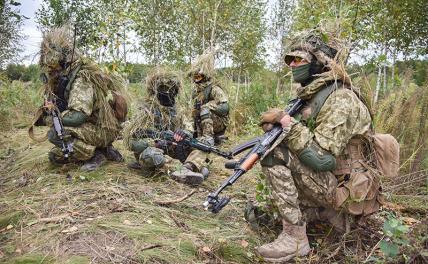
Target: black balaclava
166,98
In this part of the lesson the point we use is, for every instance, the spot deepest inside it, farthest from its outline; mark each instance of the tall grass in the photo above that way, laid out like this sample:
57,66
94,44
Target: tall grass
18,102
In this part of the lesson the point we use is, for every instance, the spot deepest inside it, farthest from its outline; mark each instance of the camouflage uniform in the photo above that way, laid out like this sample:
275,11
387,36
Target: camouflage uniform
90,135
152,115
155,117
211,108
321,165
342,117
80,90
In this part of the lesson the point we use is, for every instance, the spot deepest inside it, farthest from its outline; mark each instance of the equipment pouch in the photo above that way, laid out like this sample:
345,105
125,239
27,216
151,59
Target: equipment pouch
120,106
360,195
387,152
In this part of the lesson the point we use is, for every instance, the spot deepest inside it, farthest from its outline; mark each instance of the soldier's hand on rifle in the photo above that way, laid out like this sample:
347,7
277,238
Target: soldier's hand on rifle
49,105
180,135
285,121
271,117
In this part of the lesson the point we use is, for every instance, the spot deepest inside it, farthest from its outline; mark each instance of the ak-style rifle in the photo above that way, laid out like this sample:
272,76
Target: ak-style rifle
260,147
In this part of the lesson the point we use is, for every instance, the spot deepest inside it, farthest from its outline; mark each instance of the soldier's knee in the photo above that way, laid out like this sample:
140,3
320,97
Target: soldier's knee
152,157
53,138
138,146
205,114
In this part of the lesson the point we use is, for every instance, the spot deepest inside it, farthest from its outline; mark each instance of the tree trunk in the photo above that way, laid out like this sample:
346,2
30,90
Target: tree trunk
379,75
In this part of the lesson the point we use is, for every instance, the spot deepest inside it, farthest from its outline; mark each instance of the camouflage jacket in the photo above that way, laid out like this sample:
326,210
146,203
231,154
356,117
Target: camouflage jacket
207,95
342,117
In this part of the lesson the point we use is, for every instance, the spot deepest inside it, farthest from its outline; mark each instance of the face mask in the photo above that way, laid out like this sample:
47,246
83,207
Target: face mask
302,73
166,99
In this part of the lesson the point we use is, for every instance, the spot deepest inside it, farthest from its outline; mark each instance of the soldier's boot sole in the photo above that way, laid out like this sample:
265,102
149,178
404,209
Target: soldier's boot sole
135,166
191,178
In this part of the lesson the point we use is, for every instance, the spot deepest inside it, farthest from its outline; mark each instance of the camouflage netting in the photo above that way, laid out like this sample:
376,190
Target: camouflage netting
57,50
160,78
328,35
204,64
57,47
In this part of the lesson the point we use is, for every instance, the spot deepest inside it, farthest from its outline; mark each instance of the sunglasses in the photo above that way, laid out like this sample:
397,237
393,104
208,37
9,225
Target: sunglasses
298,59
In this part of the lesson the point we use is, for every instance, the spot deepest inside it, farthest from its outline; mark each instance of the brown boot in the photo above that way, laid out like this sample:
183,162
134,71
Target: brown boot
291,243
187,175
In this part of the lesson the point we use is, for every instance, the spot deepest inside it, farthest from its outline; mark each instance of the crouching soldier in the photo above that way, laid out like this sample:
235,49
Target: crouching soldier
83,105
159,112
324,168
210,112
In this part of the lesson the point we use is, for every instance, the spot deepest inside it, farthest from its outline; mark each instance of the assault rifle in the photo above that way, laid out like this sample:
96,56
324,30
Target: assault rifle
260,146
66,145
191,142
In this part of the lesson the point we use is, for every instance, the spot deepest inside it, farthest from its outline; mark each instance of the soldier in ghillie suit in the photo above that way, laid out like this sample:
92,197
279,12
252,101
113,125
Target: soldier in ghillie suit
210,112
87,99
159,112
324,168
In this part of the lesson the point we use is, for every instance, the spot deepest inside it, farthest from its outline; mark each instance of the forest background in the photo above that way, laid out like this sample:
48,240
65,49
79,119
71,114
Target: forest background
389,59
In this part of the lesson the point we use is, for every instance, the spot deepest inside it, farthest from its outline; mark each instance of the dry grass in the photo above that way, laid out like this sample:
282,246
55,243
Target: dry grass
58,214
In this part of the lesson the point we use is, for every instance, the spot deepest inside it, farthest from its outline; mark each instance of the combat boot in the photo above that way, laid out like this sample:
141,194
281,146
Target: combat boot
95,162
291,243
136,164
187,175
112,154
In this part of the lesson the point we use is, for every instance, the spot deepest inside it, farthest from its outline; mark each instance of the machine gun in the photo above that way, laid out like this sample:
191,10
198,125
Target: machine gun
260,147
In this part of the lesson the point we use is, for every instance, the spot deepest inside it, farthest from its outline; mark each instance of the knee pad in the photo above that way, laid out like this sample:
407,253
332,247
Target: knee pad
152,157
205,114
53,138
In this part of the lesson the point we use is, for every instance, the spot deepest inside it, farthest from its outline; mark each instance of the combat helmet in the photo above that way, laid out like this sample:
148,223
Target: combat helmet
57,49
163,80
204,65
322,43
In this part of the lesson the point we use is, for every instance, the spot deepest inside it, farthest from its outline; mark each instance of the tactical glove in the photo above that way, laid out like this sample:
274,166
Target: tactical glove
182,134
270,117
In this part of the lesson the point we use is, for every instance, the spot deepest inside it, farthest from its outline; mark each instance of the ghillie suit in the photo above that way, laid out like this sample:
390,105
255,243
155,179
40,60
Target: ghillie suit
158,112
210,111
91,102
324,168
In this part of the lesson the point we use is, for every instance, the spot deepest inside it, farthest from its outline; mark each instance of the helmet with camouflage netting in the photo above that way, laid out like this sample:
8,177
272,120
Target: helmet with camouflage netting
323,43
57,49
163,80
204,65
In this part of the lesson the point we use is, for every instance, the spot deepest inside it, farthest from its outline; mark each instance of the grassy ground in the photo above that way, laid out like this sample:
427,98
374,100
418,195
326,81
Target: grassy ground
54,214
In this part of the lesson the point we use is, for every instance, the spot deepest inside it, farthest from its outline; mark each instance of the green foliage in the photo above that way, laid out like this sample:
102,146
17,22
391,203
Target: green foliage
395,232
18,102
22,72
11,22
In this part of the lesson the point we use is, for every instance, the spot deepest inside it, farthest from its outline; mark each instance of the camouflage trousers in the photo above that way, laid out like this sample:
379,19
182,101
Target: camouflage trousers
294,186
155,159
212,125
86,138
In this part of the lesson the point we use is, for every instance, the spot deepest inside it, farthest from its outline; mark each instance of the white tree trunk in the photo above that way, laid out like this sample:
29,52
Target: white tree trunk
379,76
